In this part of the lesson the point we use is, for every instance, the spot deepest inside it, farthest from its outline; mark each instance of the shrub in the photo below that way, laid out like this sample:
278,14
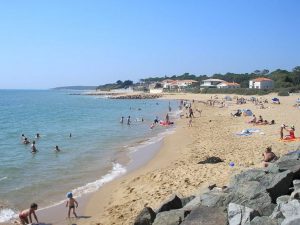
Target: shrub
283,93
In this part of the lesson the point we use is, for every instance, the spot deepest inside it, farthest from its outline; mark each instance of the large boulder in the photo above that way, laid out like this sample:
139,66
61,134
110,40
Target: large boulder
145,217
193,204
238,214
294,220
206,216
264,220
173,203
186,200
212,199
261,202
291,208
172,217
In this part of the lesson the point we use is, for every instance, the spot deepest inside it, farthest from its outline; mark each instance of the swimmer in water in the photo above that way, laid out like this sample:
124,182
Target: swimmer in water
57,149
33,148
26,142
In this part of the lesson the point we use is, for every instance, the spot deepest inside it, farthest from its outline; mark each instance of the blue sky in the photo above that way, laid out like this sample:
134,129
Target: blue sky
45,44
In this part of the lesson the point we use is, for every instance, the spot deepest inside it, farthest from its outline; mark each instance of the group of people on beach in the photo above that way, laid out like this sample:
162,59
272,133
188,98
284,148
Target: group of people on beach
26,215
260,121
34,150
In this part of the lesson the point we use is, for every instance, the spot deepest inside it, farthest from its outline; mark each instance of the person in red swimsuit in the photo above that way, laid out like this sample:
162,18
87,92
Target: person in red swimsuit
291,133
27,213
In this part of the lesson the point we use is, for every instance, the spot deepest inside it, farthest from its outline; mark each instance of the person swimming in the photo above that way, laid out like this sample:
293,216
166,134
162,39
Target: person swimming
57,149
26,141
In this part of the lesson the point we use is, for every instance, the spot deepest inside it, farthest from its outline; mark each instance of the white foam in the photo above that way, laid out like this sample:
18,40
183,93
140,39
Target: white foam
115,172
3,178
6,215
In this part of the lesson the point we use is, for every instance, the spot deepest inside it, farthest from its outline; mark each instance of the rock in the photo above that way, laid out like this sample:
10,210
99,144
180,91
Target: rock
186,200
193,204
292,165
206,216
261,202
173,203
172,217
213,199
294,220
291,208
296,184
249,175
278,184
211,160
282,199
264,220
146,217
238,214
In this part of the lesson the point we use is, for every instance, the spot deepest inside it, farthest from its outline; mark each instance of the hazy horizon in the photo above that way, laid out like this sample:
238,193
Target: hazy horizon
75,43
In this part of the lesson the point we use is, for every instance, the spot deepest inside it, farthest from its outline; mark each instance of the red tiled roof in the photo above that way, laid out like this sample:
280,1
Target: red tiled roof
261,79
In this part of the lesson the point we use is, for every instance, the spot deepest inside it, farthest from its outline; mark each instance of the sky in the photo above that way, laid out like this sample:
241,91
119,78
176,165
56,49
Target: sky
51,43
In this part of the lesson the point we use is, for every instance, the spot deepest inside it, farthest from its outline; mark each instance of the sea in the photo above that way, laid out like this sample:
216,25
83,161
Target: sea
95,147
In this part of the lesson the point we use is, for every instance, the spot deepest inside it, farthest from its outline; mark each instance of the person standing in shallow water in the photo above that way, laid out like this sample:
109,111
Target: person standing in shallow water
128,120
122,120
33,148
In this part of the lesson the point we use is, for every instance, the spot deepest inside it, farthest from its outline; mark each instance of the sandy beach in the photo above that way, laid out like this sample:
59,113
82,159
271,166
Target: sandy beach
175,169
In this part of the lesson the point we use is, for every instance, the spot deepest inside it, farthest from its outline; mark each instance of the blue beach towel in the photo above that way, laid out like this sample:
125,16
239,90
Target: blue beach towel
248,132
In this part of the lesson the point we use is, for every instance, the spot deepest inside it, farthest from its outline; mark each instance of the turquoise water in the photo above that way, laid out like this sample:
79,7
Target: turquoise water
91,157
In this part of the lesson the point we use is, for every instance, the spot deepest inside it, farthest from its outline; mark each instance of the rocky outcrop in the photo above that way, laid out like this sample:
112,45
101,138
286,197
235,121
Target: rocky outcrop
253,197
136,96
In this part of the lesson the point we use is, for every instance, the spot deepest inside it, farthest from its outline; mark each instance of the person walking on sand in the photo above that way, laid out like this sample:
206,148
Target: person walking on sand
167,119
71,202
23,216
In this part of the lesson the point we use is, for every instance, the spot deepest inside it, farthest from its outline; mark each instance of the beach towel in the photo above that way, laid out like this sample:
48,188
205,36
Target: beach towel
248,132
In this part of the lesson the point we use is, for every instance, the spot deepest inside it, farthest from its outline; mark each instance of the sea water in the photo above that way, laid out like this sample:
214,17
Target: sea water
95,153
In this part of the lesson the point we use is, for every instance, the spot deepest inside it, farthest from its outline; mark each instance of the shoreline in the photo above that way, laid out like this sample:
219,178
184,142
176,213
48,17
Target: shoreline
135,157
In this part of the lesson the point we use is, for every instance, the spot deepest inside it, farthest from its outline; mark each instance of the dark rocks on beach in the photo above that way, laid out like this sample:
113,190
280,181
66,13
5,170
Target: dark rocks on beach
173,203
146,217
253,197
264,220
172,217
206,216
137,96
238,214
211,160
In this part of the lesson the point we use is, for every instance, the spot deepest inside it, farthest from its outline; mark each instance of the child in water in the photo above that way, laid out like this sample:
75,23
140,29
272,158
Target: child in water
28,213
71,203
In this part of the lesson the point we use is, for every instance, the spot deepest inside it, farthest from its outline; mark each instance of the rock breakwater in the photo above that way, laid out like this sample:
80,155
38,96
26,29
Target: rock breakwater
269,196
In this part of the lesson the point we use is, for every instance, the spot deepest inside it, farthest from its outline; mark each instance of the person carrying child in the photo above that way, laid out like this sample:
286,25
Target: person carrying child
23,216
71,204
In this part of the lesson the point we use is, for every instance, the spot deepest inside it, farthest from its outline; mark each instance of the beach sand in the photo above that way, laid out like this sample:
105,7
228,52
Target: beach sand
175,169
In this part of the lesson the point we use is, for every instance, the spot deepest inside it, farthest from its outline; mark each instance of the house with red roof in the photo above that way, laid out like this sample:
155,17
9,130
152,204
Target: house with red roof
228,85
261,83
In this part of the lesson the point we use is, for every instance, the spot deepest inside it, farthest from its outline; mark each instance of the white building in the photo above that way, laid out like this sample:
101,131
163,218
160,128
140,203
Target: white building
261,83
228,85
211,83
